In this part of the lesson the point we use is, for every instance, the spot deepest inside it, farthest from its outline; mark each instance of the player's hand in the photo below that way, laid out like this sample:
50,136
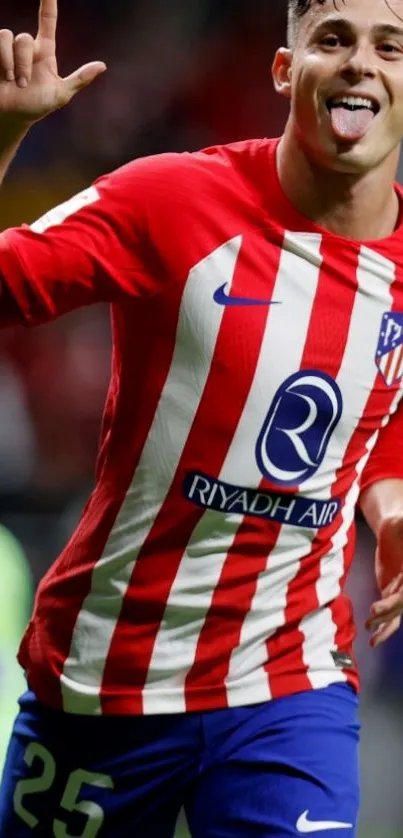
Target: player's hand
386,613
30,85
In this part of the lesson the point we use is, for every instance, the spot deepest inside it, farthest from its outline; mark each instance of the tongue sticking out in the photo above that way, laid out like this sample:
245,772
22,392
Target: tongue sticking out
350,124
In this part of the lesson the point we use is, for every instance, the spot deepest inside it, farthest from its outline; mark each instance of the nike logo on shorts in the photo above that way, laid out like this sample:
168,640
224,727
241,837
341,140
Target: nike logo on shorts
224,299
306,826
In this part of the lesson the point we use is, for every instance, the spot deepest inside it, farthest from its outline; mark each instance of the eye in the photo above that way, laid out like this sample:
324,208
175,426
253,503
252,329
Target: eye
390,48
330,41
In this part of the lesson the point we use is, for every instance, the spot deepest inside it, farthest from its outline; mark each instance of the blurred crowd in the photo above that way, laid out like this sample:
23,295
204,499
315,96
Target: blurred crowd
181,74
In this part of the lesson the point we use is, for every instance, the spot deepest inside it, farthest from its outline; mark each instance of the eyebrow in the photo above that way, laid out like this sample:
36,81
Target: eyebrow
380,29
389,29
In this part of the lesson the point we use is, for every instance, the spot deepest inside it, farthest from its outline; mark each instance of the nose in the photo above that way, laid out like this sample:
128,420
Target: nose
360,62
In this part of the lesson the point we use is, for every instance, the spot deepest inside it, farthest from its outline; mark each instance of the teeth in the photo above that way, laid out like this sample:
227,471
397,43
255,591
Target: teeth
354,102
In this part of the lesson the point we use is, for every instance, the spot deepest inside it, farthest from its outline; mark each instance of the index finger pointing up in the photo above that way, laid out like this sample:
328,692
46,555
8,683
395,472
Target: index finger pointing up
47,19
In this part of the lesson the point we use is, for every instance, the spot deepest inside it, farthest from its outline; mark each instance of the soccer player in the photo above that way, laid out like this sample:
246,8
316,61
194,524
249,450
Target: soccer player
192,645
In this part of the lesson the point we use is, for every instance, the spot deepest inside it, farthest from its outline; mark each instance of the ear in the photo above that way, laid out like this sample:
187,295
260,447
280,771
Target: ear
282,71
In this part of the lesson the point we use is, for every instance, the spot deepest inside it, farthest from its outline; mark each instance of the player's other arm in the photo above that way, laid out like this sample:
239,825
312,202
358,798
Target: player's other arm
382,505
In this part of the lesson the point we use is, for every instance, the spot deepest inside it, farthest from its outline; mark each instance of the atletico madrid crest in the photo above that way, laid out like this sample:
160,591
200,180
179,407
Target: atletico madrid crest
389,353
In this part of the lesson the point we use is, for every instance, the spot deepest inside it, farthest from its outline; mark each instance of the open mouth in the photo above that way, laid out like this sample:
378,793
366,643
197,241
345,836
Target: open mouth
353,103
351,116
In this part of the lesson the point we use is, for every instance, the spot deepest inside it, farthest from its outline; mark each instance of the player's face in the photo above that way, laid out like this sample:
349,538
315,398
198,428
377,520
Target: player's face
353,49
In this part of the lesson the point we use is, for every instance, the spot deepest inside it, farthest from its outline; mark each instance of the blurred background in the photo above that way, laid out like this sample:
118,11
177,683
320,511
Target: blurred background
182,74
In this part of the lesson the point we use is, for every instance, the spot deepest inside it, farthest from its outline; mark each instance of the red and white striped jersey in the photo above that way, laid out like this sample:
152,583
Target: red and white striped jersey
257,359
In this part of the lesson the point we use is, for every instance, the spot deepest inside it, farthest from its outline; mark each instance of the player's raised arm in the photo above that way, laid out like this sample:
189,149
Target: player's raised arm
30,84
91,248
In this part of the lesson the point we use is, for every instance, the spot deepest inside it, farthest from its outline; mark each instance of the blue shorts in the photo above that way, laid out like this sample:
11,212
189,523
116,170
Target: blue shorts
285,768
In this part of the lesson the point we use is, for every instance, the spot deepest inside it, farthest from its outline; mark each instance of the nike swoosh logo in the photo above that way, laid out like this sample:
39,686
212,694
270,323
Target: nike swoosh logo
305,826
223,299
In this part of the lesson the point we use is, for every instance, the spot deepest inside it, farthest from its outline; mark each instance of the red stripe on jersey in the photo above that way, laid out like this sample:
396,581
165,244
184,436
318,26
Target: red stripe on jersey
46,645
334,301
246,560
147,597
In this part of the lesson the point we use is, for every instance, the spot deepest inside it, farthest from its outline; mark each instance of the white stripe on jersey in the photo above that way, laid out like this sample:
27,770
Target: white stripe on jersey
295,288
83,670
375,275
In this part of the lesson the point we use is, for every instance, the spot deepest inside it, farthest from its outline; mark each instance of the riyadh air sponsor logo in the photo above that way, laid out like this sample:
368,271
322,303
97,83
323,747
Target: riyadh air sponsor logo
307,827
389,351
223,299
211,493
296,433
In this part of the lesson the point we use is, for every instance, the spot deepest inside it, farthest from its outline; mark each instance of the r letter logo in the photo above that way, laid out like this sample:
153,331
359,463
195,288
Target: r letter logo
296,433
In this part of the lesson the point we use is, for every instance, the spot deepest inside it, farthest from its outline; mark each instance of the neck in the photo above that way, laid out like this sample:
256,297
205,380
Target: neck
361,207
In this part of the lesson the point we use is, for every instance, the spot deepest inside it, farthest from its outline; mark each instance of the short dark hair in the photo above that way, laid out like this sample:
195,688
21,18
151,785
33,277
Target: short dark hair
296,10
